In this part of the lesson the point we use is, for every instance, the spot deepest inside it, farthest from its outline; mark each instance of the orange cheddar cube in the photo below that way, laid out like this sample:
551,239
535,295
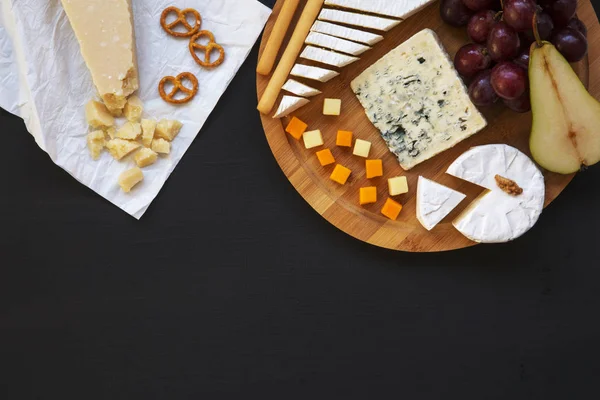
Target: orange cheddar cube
368,195
340,174
325,157
374,168
296,128
344,139
391,209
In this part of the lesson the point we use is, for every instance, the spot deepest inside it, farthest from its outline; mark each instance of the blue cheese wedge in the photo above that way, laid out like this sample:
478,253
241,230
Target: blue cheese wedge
336,44
344,32
435,202
288,105
314,73
300,89
327,57
416,99
354,19
392,8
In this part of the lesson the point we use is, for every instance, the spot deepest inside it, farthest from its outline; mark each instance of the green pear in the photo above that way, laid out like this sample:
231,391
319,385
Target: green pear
566,119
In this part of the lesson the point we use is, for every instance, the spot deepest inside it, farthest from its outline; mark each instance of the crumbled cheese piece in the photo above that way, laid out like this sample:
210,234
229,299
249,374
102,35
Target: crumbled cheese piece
130,178
96,143
133,109
145,157
97,115
111,132
161,146
148,128
119,148
167,129
129,131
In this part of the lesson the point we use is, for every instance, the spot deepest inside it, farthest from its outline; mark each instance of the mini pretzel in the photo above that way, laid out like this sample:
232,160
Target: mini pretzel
181,19
177,87
207,49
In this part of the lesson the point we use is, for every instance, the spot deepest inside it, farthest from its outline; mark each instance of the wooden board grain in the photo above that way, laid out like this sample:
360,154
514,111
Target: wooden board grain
339,204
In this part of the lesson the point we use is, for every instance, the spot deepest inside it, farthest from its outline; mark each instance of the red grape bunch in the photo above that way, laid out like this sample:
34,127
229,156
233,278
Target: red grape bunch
495,64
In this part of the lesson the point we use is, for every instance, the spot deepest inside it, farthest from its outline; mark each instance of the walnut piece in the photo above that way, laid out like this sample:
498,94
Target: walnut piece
508,186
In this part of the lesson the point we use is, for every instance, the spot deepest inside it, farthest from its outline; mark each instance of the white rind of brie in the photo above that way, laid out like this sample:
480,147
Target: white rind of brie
336,44
300,89
346,33
288,105
354,19
496,216
435,202
327,57
392,8
314,73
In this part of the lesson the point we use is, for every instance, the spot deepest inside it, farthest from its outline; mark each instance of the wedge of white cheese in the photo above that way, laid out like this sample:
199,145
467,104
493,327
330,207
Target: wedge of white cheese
300,89
314,73
497,216
415,97
346,33
435,202
354,19
327,57
392,8
289,104
336,44
105,33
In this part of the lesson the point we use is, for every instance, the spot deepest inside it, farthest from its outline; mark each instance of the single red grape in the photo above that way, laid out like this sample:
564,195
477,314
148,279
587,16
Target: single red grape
503,42
481,92
509,80
545,27
570,43
519,14
575,23
521,104
480,25
478,5
561,11
471,58
454,12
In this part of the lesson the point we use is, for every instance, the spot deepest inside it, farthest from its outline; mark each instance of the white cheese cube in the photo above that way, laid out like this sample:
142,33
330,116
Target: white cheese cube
167,129
312,139
398,185
119,148
96,143
332,107
161,146
145,157
97,115
148,128
362,148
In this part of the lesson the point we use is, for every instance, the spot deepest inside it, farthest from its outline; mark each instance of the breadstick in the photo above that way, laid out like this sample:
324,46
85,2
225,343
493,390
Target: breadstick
267,60
308,17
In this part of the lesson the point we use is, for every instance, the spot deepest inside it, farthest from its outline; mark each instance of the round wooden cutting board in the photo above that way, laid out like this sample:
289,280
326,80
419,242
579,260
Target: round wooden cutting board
339,204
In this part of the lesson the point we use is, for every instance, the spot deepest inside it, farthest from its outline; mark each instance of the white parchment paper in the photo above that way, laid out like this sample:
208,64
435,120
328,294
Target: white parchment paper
44,80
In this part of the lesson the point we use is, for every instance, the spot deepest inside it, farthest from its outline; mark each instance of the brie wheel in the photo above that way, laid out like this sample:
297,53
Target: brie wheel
435,202
496,216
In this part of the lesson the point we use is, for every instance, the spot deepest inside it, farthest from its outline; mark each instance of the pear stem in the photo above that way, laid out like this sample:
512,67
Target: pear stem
536,32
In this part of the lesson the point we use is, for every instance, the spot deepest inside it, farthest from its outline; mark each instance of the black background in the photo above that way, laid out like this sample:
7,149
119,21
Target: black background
231,286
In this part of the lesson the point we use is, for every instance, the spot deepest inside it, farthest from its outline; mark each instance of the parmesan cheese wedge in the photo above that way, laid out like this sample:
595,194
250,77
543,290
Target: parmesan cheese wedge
346,33
314,73
353,19
392,8
288,105
300,89
327,57
105,33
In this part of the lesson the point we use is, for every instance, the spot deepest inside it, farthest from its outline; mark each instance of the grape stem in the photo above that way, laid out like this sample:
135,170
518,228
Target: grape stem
536,32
